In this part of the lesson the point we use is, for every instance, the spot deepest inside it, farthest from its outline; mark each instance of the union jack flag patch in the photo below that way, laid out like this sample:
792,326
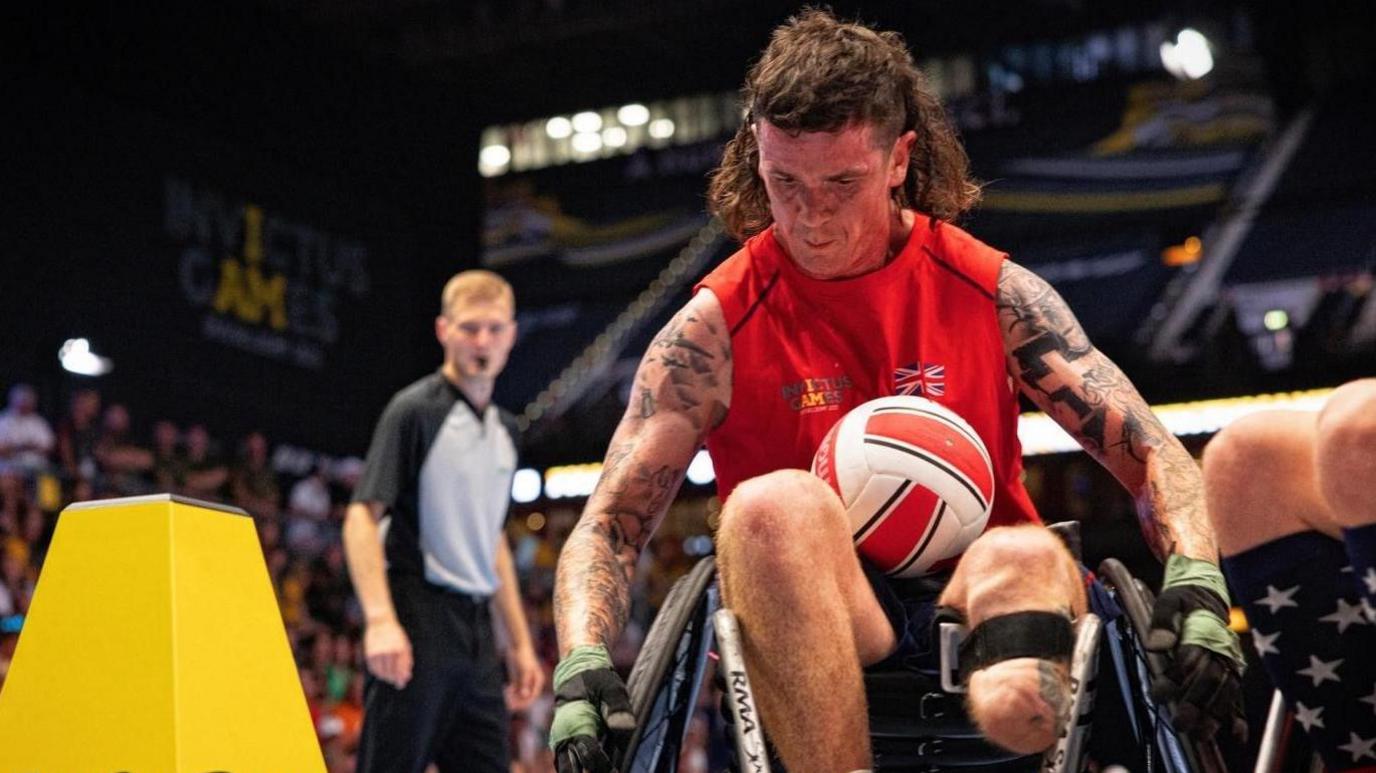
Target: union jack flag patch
923,379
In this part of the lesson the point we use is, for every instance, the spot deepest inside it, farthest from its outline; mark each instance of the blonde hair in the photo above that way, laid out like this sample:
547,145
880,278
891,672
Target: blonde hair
478,286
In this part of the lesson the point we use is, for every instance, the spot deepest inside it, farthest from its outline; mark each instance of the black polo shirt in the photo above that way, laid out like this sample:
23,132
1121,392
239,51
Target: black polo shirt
443,470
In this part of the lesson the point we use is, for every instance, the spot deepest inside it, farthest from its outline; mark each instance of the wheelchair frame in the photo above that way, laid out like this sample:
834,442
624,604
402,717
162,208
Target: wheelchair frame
692,627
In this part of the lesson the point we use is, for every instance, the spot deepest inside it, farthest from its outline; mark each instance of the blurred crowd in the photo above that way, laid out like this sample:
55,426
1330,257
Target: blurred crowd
92,449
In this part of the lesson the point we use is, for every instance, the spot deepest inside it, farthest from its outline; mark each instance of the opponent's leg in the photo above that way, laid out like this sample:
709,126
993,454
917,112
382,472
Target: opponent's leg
1278,535
808,617
1345,461
1019,703
1260,481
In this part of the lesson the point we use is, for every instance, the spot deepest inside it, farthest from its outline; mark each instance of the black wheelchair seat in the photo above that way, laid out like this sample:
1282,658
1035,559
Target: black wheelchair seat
915,725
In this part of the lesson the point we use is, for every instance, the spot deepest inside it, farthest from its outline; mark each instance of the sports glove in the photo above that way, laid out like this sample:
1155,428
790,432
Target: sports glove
591,706
1204,675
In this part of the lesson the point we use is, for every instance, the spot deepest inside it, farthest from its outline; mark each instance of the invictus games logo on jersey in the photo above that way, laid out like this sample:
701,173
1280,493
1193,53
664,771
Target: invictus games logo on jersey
816,394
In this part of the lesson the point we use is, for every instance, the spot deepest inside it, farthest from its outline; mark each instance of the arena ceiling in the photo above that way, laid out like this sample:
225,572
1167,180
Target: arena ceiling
525,58
509,60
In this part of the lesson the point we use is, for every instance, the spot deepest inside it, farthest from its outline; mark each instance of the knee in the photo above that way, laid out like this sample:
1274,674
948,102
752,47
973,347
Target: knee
1016,569
1347,425
773,513
1021,704
1251,460
1235,450
1014,546
1345,452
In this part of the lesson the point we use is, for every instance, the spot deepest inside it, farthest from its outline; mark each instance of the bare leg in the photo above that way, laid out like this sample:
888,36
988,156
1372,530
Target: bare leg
808,617
1260,481
1346,453
1018,703
1281,488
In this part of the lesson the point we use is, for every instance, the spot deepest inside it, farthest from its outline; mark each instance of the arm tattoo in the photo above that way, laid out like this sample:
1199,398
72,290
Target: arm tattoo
597,593
681,391
681,362
1061,371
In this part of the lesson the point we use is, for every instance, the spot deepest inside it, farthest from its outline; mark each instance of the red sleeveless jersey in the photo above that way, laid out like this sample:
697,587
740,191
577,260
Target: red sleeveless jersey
806,351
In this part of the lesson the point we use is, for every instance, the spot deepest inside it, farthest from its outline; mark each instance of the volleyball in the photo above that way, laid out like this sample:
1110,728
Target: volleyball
915,478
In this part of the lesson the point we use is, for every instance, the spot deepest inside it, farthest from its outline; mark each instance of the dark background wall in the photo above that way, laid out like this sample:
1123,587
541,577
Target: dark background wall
141,139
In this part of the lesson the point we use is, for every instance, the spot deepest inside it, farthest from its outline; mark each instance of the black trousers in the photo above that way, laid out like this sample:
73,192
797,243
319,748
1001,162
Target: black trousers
451,712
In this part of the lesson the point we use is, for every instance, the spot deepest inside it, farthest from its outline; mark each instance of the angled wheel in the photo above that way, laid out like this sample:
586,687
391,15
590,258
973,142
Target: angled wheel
1136,599
668,673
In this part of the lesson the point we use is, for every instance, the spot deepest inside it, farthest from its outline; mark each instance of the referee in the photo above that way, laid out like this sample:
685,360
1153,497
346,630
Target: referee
427,553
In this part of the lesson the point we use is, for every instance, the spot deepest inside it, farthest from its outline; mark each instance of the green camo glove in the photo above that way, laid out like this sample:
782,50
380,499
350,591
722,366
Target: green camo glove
1190,621
590,703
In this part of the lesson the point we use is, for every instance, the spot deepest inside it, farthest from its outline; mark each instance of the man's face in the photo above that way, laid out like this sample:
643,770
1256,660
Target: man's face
477,336
256,447
23,400
830,194
197,441
117,419
165,435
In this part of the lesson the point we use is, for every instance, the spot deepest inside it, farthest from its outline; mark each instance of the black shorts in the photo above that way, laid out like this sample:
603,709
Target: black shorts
910,606
451,712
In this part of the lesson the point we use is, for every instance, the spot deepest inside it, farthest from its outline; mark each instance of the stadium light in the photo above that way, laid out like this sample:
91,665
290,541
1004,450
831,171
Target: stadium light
587,142
76,357
634,114
558,127
587,121
493,159
1189,57
572,481
614,137
1275,320
661,128
525,485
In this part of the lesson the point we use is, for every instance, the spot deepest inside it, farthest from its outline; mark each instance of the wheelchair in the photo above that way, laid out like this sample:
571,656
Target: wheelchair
918,724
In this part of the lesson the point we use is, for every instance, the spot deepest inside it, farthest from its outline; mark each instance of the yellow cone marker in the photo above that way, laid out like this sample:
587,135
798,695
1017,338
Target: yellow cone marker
154,643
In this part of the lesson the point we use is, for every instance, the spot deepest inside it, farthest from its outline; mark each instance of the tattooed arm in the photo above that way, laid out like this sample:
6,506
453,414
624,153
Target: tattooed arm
1062,372
682,389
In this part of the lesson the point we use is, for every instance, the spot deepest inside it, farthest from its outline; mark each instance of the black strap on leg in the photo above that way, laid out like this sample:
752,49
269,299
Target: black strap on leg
1042,635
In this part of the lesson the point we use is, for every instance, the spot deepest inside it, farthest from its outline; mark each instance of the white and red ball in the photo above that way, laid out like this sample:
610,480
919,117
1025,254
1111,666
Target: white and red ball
915,479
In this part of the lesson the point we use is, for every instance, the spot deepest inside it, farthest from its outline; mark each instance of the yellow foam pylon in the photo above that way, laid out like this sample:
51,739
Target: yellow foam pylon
154,644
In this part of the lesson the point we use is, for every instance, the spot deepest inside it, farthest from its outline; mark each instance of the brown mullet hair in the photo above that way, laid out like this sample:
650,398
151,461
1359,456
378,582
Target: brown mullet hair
819,74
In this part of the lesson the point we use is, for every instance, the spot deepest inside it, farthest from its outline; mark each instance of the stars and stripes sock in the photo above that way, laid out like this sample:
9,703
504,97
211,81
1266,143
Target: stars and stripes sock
1304,604
1361,548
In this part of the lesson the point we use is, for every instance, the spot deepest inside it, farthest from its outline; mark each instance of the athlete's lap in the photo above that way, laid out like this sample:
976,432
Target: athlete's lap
1007,569
1015,569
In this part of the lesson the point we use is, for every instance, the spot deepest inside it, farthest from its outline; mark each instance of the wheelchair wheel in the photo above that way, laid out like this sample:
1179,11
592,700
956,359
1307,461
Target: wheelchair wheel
1136,599
666,676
